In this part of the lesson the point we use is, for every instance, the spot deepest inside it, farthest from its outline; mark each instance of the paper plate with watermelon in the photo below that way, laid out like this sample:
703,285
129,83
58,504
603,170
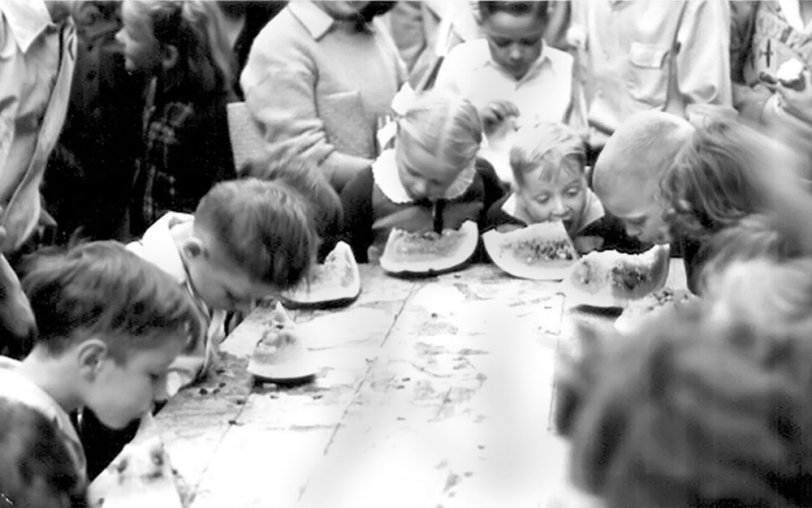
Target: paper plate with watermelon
540,251
334,283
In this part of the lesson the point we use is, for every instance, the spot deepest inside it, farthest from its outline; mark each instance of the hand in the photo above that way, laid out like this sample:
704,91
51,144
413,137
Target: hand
495,114
796,98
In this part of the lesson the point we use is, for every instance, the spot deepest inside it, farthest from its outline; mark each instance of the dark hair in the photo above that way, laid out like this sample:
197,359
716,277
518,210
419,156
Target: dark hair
691,413
712,183
515,8
265,228
102,289
36,467
310,182
195,29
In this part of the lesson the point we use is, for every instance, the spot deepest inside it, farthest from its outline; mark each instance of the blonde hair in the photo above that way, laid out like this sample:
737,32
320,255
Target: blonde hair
443,124
195,29
546,146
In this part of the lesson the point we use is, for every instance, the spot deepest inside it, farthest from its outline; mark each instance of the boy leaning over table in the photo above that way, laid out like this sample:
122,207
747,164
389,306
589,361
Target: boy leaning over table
247,239
92,351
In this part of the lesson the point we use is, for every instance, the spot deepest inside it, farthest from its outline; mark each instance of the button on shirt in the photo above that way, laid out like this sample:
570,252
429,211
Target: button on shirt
544,94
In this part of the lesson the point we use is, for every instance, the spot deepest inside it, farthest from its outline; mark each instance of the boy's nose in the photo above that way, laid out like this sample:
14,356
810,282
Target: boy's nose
515,53
419,188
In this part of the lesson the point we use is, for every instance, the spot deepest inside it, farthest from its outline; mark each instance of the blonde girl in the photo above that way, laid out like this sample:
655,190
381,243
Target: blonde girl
433,163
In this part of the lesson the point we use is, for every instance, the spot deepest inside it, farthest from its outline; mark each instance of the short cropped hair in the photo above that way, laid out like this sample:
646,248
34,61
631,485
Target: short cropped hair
515,8
36,467
445,124
713,182
264,227
640,151
689,413
307,180
100,289
546,146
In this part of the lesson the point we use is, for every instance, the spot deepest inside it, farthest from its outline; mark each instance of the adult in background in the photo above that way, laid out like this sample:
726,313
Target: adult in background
638,55
318,78
770,67
38,48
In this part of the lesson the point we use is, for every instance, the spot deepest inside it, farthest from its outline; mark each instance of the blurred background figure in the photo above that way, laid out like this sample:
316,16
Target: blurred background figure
318,78
639,55
770,59
89,178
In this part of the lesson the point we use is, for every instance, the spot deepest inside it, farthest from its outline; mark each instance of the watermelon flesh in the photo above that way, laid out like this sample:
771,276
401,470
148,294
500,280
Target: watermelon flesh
540,251
334,283
427,252
612,279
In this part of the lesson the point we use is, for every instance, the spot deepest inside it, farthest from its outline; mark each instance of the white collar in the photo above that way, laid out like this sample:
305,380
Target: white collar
385,175
27,19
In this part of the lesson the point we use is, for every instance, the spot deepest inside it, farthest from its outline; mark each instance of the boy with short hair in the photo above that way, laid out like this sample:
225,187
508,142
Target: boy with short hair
109,325
511,72
548,162
248,239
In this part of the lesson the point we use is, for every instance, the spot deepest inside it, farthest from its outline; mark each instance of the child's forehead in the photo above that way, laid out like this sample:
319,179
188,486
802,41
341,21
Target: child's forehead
556,170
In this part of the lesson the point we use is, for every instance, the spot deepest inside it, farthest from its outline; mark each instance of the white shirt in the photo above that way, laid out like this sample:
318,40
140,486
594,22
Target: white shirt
543,94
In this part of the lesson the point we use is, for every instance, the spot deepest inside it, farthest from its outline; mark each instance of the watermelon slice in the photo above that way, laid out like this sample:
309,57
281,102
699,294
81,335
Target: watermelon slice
613,279
540,251
427,252
334,283
280,355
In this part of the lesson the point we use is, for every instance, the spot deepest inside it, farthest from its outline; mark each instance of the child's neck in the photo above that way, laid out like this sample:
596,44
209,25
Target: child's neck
52,376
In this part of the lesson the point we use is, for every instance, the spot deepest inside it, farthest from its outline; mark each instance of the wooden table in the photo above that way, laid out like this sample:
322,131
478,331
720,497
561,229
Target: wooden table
432,392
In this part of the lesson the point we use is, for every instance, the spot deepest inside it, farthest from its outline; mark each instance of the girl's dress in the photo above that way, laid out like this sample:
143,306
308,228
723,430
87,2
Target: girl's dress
377,192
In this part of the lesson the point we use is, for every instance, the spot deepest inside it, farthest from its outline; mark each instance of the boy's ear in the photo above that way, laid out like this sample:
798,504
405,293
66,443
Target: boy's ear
194,248
169,56
91,355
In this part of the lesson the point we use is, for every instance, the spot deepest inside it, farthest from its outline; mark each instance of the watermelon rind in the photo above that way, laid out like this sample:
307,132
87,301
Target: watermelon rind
600,291
435,266
498,246
310,294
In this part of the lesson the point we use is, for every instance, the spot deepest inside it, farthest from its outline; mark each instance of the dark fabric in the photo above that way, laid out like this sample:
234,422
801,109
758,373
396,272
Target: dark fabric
89,176
694,257
187,150
257,15
364,203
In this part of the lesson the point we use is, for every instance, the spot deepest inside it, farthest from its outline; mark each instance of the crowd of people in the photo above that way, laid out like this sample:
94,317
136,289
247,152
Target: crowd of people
135,239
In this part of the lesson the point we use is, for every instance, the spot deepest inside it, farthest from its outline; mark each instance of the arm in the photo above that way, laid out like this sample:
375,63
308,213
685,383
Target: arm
9,103
703,62
279,85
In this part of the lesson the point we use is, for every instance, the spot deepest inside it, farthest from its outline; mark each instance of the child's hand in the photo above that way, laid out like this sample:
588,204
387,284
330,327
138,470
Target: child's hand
495,114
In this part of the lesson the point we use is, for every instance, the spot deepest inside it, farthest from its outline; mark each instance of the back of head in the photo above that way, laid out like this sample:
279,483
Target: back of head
640,151
36,468
754,237
688,413
100,289
540,9
713,181
196,29
308,181
443,124
553,147
264,227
